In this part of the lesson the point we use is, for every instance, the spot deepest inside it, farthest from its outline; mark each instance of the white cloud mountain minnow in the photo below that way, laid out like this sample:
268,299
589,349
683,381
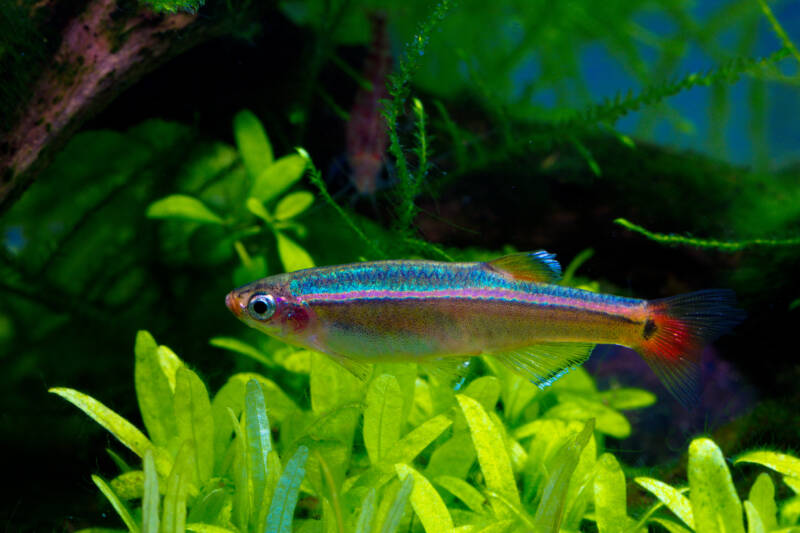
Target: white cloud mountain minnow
509,308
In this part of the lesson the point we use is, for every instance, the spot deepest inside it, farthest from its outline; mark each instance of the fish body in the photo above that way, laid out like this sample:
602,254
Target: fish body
438,312
366,134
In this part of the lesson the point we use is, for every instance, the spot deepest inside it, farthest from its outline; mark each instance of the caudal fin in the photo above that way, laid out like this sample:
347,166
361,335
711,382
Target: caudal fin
676,331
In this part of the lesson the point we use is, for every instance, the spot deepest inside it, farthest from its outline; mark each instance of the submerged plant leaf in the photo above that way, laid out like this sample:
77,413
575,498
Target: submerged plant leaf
779,462
762,497
492,455
382,416
293,204
715,504
293,256
669,496
259,442
173,519
281,511
464,492
367,513
116,503
183,207
427,503
609,496
394,513
151,497
236,345
277,177
195,422
154,393
252,141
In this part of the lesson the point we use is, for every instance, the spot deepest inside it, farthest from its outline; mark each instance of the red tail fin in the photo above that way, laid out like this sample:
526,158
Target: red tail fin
676,331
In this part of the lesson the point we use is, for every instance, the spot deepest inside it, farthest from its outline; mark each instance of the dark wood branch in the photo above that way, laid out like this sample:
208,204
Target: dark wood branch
103,50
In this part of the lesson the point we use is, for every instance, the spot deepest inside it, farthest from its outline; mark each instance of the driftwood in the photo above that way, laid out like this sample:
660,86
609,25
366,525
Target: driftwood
103,50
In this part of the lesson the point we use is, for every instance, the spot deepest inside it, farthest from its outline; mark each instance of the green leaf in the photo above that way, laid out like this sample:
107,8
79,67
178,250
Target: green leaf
276,178
293,256
779,462
609,495
669,525
252,141
195,422
129,485
382,416
173,519
183,207
281,511
715,505
464,492
199,527
256,207
492,455
241,495
608,421
669,496
367,513
123,430
212,508
151,497
550,512
398,507
627,398
119,507
762,496
154,393
293,204
259,442
427,503
486,390
754,522
235,345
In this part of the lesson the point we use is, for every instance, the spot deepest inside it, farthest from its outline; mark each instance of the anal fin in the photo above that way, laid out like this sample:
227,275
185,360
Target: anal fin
447,369
545,362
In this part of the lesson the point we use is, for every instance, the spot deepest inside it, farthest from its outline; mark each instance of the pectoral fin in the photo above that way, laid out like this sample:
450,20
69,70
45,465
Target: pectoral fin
360,370
545,362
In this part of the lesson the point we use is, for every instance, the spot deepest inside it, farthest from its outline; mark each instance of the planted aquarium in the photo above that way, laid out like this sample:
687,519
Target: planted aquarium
334,266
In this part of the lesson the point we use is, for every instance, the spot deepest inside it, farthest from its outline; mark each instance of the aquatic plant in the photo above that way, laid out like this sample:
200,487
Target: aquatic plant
497,455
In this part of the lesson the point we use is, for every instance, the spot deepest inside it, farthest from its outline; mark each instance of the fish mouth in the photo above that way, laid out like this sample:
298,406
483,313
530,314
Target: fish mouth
234,304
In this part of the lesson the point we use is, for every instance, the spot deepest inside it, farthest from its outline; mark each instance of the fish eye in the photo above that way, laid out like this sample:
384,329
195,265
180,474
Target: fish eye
261,306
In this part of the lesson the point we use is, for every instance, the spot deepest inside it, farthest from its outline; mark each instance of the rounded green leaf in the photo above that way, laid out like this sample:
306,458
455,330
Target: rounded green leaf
715,505
293,256
627,398
427,503
252,141
276,178
183,207
293,204
609,495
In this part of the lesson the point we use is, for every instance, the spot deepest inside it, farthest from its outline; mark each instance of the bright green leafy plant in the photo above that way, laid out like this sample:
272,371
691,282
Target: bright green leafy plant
404,451
251,198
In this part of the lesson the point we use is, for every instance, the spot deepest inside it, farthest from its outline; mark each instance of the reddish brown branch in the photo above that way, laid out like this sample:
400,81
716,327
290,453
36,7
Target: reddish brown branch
102,51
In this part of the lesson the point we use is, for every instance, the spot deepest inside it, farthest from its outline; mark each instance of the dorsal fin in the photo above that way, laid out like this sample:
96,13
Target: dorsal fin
539,266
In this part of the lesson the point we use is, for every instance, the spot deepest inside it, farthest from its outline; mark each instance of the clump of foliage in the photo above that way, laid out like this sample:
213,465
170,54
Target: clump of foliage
405,452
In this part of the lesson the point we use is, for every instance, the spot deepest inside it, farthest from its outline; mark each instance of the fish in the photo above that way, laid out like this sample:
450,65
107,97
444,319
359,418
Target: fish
366,133
510,308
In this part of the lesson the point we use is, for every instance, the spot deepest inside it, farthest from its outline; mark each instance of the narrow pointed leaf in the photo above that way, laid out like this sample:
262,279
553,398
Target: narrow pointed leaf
259,442
151,498
464,492
398,507
116,503
715,505
367,513
382,416
671,526
669,496
199,527
281,511
415,441
252,142
154,393
236,345
183,207
492,455
779,462
195,421
754,522
173,519
427,503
